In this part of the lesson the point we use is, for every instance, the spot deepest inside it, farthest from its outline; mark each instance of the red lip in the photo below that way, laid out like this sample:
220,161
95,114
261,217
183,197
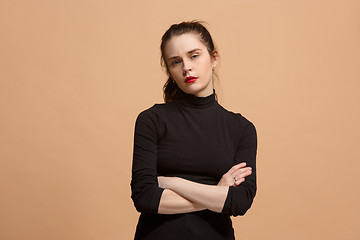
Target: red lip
190,78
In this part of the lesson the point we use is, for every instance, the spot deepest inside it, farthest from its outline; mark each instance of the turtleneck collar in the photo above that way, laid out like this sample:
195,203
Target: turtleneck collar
196,102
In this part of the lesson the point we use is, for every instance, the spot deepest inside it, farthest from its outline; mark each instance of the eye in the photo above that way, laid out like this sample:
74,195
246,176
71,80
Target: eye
174,63
195,56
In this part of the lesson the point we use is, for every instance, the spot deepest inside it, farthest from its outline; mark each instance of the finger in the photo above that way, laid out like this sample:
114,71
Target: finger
242,170
236,167
238,181
243,174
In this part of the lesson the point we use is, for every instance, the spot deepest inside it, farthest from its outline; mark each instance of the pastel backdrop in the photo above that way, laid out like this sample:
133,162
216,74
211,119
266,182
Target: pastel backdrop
75,74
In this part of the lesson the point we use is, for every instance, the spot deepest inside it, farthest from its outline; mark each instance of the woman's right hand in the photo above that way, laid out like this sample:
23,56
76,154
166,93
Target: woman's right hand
235,176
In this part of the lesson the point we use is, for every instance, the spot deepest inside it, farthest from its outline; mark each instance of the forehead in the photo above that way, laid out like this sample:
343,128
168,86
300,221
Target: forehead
179,45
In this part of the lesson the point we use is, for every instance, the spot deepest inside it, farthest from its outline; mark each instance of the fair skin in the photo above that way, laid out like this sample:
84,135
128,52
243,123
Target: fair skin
187,56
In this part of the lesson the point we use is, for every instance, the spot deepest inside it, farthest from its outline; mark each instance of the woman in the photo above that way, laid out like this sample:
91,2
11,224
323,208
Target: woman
193,161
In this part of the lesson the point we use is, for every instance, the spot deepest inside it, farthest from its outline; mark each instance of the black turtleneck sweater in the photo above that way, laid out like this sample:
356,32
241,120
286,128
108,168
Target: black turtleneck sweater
197,139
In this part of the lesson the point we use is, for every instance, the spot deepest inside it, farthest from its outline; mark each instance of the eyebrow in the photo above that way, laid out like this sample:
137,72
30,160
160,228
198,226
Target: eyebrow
189,52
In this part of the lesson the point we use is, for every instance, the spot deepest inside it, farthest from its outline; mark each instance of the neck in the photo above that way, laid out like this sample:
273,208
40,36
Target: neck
193,101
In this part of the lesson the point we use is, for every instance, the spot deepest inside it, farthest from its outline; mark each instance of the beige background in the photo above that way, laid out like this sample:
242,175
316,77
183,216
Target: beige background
75,74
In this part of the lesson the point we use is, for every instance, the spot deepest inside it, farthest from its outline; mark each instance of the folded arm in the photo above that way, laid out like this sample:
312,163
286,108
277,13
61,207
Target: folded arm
181,195
172,203
211,197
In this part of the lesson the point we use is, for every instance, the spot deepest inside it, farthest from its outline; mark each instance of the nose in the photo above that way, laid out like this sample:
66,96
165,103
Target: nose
186,67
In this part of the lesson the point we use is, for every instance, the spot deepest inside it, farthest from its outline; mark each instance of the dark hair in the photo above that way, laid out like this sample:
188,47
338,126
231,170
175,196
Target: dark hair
170,88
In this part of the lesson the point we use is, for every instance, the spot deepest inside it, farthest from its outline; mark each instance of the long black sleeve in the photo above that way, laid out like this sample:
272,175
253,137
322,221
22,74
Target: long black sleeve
240,198
144,185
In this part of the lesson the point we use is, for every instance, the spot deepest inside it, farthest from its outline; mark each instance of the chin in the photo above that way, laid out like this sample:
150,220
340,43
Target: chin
192,89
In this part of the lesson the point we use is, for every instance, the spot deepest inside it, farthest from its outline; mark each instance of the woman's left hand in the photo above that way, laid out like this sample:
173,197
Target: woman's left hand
235,176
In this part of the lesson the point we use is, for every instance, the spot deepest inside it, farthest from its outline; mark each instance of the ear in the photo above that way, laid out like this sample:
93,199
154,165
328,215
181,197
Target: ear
215,58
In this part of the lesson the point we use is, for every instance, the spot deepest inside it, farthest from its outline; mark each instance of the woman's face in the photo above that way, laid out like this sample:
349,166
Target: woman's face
190,64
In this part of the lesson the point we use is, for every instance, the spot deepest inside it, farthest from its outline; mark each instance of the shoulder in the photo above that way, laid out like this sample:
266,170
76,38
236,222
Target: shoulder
148,113
237,118
154,113
159,110
240,124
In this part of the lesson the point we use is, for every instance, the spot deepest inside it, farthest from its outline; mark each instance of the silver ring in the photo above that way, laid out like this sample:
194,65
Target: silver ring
235,179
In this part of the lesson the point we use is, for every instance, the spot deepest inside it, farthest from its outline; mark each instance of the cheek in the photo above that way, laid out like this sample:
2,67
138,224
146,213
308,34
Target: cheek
206,64
174,73
206,68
